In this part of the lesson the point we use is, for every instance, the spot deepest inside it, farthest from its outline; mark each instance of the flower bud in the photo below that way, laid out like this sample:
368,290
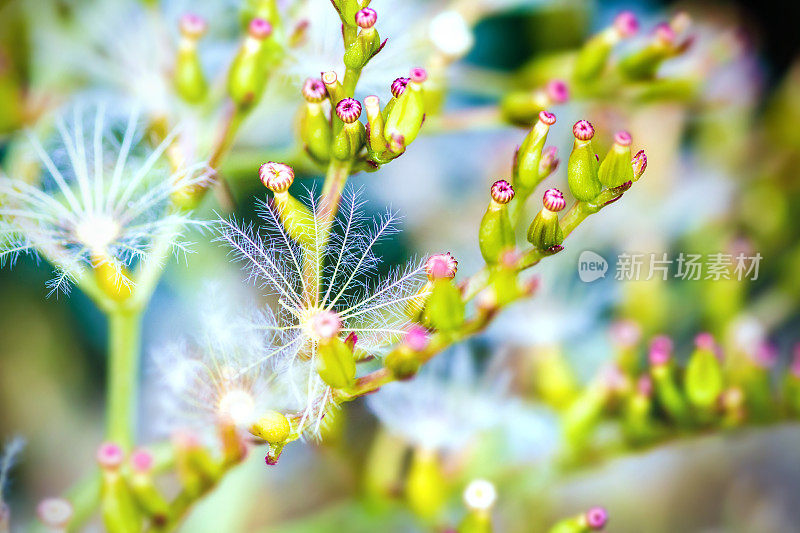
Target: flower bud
403,362
120,512
639,164
315,128
445,308
616,168
110,455
645,62
145,493
273,427
294,216
545,232
593,57
426,488
333,86
527,172
375,126
441,266
350,138
366,44
366,18
496,234
583,166
190,81
276,177
398,86
595,519
248,72
348,110
404,119
704,380
667,391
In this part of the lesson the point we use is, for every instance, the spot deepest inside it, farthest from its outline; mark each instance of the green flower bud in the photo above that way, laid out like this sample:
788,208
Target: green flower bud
120,512
583,166
273,427
704,380
366,44
406,115
248,73
190,82
146,494
644,63
527,173
334,87
350,138
403,363
583,416
496,234
662,370
553,378
637,422
375,140
545,232
617,168
426,488
593,57
522,107
315,127
444,309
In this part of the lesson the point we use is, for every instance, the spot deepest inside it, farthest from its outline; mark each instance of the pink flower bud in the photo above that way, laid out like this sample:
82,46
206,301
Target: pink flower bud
366,18
660,350
596,518
398,86
766,355
626,24
141,461
418,75
314,90
502,192
644,386
553,200
547,118
583,130
665,34
416,338
192,26
259,29
639,163
348,110
557,91
441,266
110,455
325,324
54,512
276,177
623,138
705,341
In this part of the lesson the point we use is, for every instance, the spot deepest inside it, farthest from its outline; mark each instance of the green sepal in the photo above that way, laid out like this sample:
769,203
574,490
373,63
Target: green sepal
526,165
426,487
504,284
148,497
348,141
336,364
704,380
403,362
669,395
593,57
582,172
616,168
636,422
406,114
190,81
120,513
296,218
445,309
315,132
545,231
365,46
495,234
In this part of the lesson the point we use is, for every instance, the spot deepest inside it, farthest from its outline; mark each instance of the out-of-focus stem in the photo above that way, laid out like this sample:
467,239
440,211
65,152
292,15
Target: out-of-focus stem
123,374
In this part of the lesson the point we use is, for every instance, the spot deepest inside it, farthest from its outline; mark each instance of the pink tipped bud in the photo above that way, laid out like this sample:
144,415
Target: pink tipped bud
366,18
547,118
314,90
596,518
623,138
416,338
549,161
351,340
259,29
192,26
660,350
626,333
325,324
665,34
705,341
626,24
583,130
502,192
441,266
418,75
54,513
110,455
557,91
141,461
644,386
766,355
553,200
639,164
399,86
348,110
276,177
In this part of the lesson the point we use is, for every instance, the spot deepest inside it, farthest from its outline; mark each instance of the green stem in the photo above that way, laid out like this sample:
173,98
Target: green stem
123,374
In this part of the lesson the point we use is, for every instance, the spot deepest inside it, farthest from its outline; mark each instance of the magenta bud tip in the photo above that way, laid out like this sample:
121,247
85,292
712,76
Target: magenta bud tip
259,29
192,25
314,90
645,386
348,110
623,138
366,18
583,130
502,192
553,200
705,341
558,91
766,355
626,24
110,455
660,350
547,117
418,75
276,177
441,266
399,86
665,33
596,518
141,461
416,337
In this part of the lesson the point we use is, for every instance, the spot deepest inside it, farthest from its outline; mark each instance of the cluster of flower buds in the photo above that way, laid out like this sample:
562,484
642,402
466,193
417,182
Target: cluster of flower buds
710,390
190,81
251,66
343,137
